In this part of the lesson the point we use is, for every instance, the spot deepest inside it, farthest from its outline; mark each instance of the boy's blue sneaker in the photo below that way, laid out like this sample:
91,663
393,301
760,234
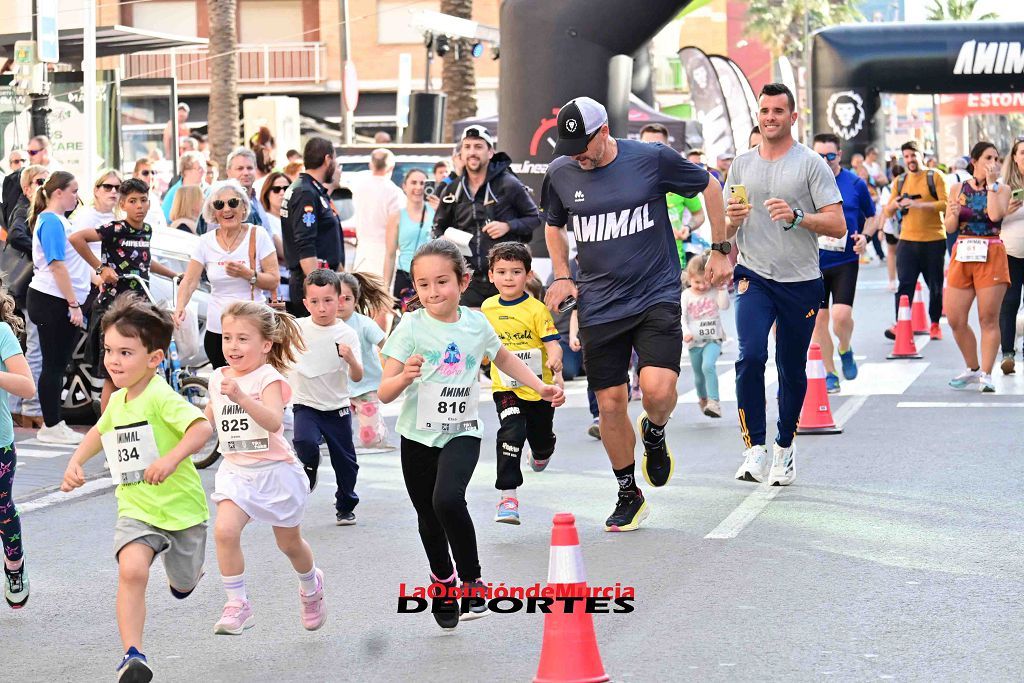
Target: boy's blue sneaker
849,364
832,383
134,668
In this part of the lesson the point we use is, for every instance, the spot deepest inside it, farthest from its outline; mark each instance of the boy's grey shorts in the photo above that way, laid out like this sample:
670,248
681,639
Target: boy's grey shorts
184,551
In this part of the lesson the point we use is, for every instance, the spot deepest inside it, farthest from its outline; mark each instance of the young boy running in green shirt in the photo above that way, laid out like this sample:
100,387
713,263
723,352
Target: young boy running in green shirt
147,432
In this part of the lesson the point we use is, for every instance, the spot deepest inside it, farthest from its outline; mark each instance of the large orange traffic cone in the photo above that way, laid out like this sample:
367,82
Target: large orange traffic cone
816,415
905,346
918,314
569,653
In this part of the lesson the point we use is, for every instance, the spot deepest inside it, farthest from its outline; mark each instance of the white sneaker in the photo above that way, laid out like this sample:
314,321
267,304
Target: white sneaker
713,408
987,387
966,379
783,472
59,433
755,464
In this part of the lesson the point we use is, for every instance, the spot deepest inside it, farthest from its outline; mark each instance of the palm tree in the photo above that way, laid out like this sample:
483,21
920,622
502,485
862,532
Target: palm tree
458,80
941,10
223,55
783,26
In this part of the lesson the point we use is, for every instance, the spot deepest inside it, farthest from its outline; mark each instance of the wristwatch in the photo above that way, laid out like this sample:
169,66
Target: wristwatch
100,267
252,280
798,216
722,247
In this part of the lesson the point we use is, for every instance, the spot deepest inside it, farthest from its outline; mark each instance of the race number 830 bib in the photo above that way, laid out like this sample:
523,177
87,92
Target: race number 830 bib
237,432
972,250
707,329
129,450
532,358
447,408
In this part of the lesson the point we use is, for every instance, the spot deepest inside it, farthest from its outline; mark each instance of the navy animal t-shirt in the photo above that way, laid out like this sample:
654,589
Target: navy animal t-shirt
627,252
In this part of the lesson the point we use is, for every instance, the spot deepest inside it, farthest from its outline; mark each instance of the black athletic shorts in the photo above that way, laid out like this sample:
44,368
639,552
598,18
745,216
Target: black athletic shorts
477,292
840,283
656,334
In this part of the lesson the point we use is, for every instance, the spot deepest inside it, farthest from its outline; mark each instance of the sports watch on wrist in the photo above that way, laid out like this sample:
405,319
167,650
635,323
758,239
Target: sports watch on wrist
100,267
252,280
721,247
798,217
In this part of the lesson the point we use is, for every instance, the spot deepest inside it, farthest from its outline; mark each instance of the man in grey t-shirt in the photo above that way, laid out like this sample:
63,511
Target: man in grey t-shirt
792,199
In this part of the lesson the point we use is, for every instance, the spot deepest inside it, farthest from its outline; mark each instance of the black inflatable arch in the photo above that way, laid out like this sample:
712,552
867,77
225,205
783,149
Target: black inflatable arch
852,65
554,50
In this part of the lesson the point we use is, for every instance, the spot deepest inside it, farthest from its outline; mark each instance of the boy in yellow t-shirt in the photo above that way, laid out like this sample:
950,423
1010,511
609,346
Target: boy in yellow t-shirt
525,327
148,432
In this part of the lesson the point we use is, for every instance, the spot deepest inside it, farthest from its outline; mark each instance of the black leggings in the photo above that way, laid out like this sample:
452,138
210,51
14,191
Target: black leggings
214,345
914,259
57,337
436,479
521,422
1011,304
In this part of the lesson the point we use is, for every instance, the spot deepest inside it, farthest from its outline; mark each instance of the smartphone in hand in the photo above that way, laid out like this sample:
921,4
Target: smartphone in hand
738,192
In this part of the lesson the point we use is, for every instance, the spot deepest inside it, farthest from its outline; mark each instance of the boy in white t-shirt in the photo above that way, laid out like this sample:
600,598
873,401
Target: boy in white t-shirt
320,382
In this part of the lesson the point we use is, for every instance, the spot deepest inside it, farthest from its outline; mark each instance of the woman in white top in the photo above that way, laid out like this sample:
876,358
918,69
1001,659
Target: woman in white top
272,197
104,199
239,260
1012,235
59,285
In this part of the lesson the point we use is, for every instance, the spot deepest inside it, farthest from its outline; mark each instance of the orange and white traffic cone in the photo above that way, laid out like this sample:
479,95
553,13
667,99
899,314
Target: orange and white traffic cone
905,346
918,314
569,652
816,415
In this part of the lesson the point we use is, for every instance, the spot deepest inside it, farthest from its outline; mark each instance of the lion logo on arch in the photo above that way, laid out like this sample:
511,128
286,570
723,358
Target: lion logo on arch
846,114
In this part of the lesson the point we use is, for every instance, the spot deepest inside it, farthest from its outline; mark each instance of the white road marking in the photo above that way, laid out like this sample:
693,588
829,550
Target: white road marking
882,379
61,497
954,404
752,505
39,453
743,515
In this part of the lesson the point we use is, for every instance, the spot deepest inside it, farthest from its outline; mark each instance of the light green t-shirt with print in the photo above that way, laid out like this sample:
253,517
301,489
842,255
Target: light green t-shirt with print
452,353
9,347
180,501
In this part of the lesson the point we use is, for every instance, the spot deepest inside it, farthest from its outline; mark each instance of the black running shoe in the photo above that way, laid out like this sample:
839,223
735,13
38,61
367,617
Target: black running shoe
445,609
345,519
629,512
475,597
658,463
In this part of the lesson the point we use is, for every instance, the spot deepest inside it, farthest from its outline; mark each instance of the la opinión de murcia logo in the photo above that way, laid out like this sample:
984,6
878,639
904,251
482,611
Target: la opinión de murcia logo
502,599
989,58
845,113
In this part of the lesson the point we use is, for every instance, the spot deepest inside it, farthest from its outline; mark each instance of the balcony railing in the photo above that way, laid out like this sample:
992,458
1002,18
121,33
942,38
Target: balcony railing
280,63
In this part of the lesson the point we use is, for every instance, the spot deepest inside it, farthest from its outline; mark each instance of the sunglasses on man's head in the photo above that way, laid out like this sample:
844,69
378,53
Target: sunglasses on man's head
830,156
110,187
232,203
278,188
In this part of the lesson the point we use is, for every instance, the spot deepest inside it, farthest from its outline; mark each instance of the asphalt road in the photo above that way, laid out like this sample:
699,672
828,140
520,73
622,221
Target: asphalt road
895,555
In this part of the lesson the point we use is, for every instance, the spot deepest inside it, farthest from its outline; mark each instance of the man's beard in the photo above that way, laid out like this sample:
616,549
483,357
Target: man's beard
329,173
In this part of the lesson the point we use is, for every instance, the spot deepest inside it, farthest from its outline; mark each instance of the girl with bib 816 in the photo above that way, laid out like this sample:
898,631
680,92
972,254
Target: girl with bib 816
434,355
260,477
978,267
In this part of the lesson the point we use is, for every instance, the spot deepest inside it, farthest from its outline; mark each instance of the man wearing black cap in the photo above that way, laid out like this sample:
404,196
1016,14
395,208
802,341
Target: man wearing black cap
612,194
489,204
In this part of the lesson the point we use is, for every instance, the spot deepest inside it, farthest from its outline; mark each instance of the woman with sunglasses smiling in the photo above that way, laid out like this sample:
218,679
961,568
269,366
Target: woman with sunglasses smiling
59,286
239,260
272,197
104,199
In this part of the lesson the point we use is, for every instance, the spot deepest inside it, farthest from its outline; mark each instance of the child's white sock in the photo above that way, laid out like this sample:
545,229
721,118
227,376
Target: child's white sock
307,581
234,586
14,566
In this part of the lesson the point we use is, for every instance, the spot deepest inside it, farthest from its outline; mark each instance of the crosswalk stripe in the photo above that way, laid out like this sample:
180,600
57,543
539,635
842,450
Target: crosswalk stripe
955,404
39,453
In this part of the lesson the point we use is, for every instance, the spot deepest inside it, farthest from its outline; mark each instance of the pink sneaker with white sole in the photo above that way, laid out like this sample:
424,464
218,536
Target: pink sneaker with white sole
314,614
237,617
